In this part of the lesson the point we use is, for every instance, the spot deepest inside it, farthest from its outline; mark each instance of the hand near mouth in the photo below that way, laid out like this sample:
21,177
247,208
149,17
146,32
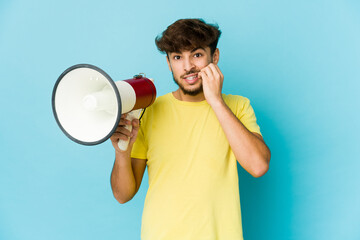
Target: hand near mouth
212,81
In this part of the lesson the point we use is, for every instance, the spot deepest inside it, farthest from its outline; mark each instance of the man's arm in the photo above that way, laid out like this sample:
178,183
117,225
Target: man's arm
127,172
249,148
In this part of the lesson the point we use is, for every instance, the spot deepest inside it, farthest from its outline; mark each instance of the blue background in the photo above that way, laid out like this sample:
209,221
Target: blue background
297,61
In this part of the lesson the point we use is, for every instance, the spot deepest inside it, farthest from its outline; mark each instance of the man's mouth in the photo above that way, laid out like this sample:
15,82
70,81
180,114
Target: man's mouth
191,78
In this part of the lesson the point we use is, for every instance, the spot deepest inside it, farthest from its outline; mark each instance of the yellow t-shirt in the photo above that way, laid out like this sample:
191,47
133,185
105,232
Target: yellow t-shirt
193,181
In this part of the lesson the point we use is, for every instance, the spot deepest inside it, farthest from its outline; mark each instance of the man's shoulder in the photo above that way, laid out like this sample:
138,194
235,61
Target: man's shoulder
159,103
160,100
235,99
164,97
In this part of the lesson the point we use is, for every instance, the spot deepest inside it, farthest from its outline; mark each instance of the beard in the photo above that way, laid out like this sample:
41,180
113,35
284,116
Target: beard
191,92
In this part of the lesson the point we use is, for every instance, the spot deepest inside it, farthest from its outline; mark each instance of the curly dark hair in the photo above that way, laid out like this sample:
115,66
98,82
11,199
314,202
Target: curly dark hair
188,34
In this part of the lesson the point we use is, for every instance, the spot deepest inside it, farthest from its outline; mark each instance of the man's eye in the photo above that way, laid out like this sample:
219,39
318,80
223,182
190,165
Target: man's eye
176,57
198,55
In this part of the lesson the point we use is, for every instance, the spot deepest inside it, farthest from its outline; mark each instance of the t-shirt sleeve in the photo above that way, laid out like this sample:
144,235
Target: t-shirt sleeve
246,115
139,149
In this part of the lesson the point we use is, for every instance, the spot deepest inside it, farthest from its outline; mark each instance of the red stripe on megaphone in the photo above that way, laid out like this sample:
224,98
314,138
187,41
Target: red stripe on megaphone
145,92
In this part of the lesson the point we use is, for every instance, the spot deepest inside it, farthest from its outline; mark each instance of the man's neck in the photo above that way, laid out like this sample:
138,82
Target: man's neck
179,95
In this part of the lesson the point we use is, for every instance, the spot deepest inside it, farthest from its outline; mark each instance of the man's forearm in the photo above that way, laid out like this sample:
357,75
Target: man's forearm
250,150
122,178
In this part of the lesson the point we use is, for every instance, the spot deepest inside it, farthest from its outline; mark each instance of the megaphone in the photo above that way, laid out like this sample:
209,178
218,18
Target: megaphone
87,104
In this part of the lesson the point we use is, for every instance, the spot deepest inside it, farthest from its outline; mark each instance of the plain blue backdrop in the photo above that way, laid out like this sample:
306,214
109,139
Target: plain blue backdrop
297,61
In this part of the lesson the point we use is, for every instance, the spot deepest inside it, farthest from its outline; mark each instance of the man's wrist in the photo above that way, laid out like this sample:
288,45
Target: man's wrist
217,103
123,157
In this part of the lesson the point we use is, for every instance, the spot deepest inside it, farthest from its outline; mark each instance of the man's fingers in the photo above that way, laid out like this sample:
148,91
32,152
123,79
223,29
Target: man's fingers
135,127
208,71
211,71
219,71
204,74
135,123
214,70
116,136
121,133
124,121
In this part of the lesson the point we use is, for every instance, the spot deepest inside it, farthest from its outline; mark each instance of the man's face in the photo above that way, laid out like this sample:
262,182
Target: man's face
186,65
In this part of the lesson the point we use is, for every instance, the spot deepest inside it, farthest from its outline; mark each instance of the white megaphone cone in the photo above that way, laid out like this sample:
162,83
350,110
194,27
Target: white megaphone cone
88,104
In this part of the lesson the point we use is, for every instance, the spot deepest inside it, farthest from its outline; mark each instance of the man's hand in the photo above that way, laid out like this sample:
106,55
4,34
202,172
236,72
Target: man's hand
124,134
127,172
212,81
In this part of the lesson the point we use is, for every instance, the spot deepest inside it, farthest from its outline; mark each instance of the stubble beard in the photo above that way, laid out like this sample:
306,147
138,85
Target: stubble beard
191,92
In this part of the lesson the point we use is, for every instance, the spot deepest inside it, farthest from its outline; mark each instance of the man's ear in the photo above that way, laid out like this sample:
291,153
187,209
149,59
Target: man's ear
216,56
168,62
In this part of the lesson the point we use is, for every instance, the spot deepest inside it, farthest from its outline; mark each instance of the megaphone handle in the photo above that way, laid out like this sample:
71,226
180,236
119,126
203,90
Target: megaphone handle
135,114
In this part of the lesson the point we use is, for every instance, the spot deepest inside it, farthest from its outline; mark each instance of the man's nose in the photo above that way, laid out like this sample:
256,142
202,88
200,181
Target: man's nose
188,65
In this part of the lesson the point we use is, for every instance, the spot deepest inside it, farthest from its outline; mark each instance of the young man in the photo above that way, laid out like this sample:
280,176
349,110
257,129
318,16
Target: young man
190,141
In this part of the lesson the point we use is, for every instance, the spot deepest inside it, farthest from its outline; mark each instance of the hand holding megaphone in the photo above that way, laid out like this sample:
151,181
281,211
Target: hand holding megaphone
135,114
87,104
